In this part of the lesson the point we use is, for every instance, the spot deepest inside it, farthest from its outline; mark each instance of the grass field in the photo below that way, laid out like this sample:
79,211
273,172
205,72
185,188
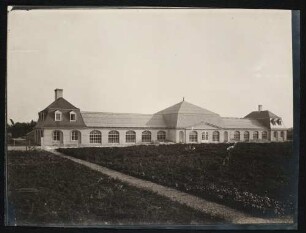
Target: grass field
45,189
258,180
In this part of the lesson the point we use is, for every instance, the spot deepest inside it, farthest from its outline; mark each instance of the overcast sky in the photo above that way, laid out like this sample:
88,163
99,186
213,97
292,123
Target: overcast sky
144,60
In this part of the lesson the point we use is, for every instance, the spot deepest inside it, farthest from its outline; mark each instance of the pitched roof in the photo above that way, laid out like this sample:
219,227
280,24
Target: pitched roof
65,122
186,108
261,115
106,119
185,114
241,123
60,103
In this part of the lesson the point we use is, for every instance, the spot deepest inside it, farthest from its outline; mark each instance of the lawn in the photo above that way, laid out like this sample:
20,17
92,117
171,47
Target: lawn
259,178
45,189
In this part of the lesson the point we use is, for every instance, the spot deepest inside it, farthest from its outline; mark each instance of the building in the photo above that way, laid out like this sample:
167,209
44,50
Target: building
63,125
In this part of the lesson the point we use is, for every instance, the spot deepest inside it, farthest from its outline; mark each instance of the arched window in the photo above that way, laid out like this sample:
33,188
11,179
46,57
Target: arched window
56,135
146,136
130,136
264,135
255,135
161,136
246,136
58,115
193,136
216,136
75,135
237,136
95,136
225,136
113,136
205,136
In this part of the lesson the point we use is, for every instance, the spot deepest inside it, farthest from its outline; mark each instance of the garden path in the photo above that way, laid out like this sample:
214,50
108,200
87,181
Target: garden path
211,208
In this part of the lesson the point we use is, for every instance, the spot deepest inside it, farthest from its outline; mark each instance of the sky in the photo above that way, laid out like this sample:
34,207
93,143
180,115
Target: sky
144,60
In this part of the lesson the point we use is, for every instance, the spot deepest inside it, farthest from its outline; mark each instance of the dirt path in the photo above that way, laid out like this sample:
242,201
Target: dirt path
194,202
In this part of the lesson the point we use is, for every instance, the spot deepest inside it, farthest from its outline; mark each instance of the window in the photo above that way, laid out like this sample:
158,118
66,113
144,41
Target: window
193,136
113,137
255,135
246,136
273,121
95,137
161,136
275,134
146,136
279,121
205,136
72,116
56,135
237,136
74,135
216,136
225,136
42,116
264,135
58,116
282,134
130,136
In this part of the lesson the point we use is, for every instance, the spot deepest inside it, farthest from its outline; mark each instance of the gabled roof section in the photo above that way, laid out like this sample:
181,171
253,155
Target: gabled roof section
186,108
261,115
106,119
60,103
203,125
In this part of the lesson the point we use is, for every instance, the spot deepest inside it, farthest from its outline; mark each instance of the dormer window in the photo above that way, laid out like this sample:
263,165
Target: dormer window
279,122
273,121
42,116
72,116
58,115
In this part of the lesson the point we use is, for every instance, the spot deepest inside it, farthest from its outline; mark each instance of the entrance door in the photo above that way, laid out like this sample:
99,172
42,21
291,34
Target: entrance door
181,137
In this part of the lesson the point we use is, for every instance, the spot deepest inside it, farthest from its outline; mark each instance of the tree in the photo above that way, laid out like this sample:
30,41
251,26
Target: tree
20,129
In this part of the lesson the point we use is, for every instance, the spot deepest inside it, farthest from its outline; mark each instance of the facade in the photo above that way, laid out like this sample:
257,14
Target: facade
63,125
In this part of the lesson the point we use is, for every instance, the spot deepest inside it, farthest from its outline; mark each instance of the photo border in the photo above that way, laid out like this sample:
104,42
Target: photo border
298,50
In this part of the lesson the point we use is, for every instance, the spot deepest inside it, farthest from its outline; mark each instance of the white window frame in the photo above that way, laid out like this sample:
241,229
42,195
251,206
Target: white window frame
74,135
113,136
205,136
161,136
95,137
255,135
60,114
246,136
237,136
146,136
193,136
216,136
56,135
130,137
72,114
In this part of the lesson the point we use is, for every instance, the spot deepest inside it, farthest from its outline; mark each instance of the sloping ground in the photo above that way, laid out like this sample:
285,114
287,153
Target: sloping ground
45,190
258,180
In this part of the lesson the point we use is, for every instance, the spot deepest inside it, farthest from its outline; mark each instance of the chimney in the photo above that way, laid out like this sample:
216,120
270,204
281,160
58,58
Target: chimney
259,108
58,93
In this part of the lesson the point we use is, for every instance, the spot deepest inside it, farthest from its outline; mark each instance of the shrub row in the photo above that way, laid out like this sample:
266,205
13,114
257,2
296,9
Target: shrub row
259,179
